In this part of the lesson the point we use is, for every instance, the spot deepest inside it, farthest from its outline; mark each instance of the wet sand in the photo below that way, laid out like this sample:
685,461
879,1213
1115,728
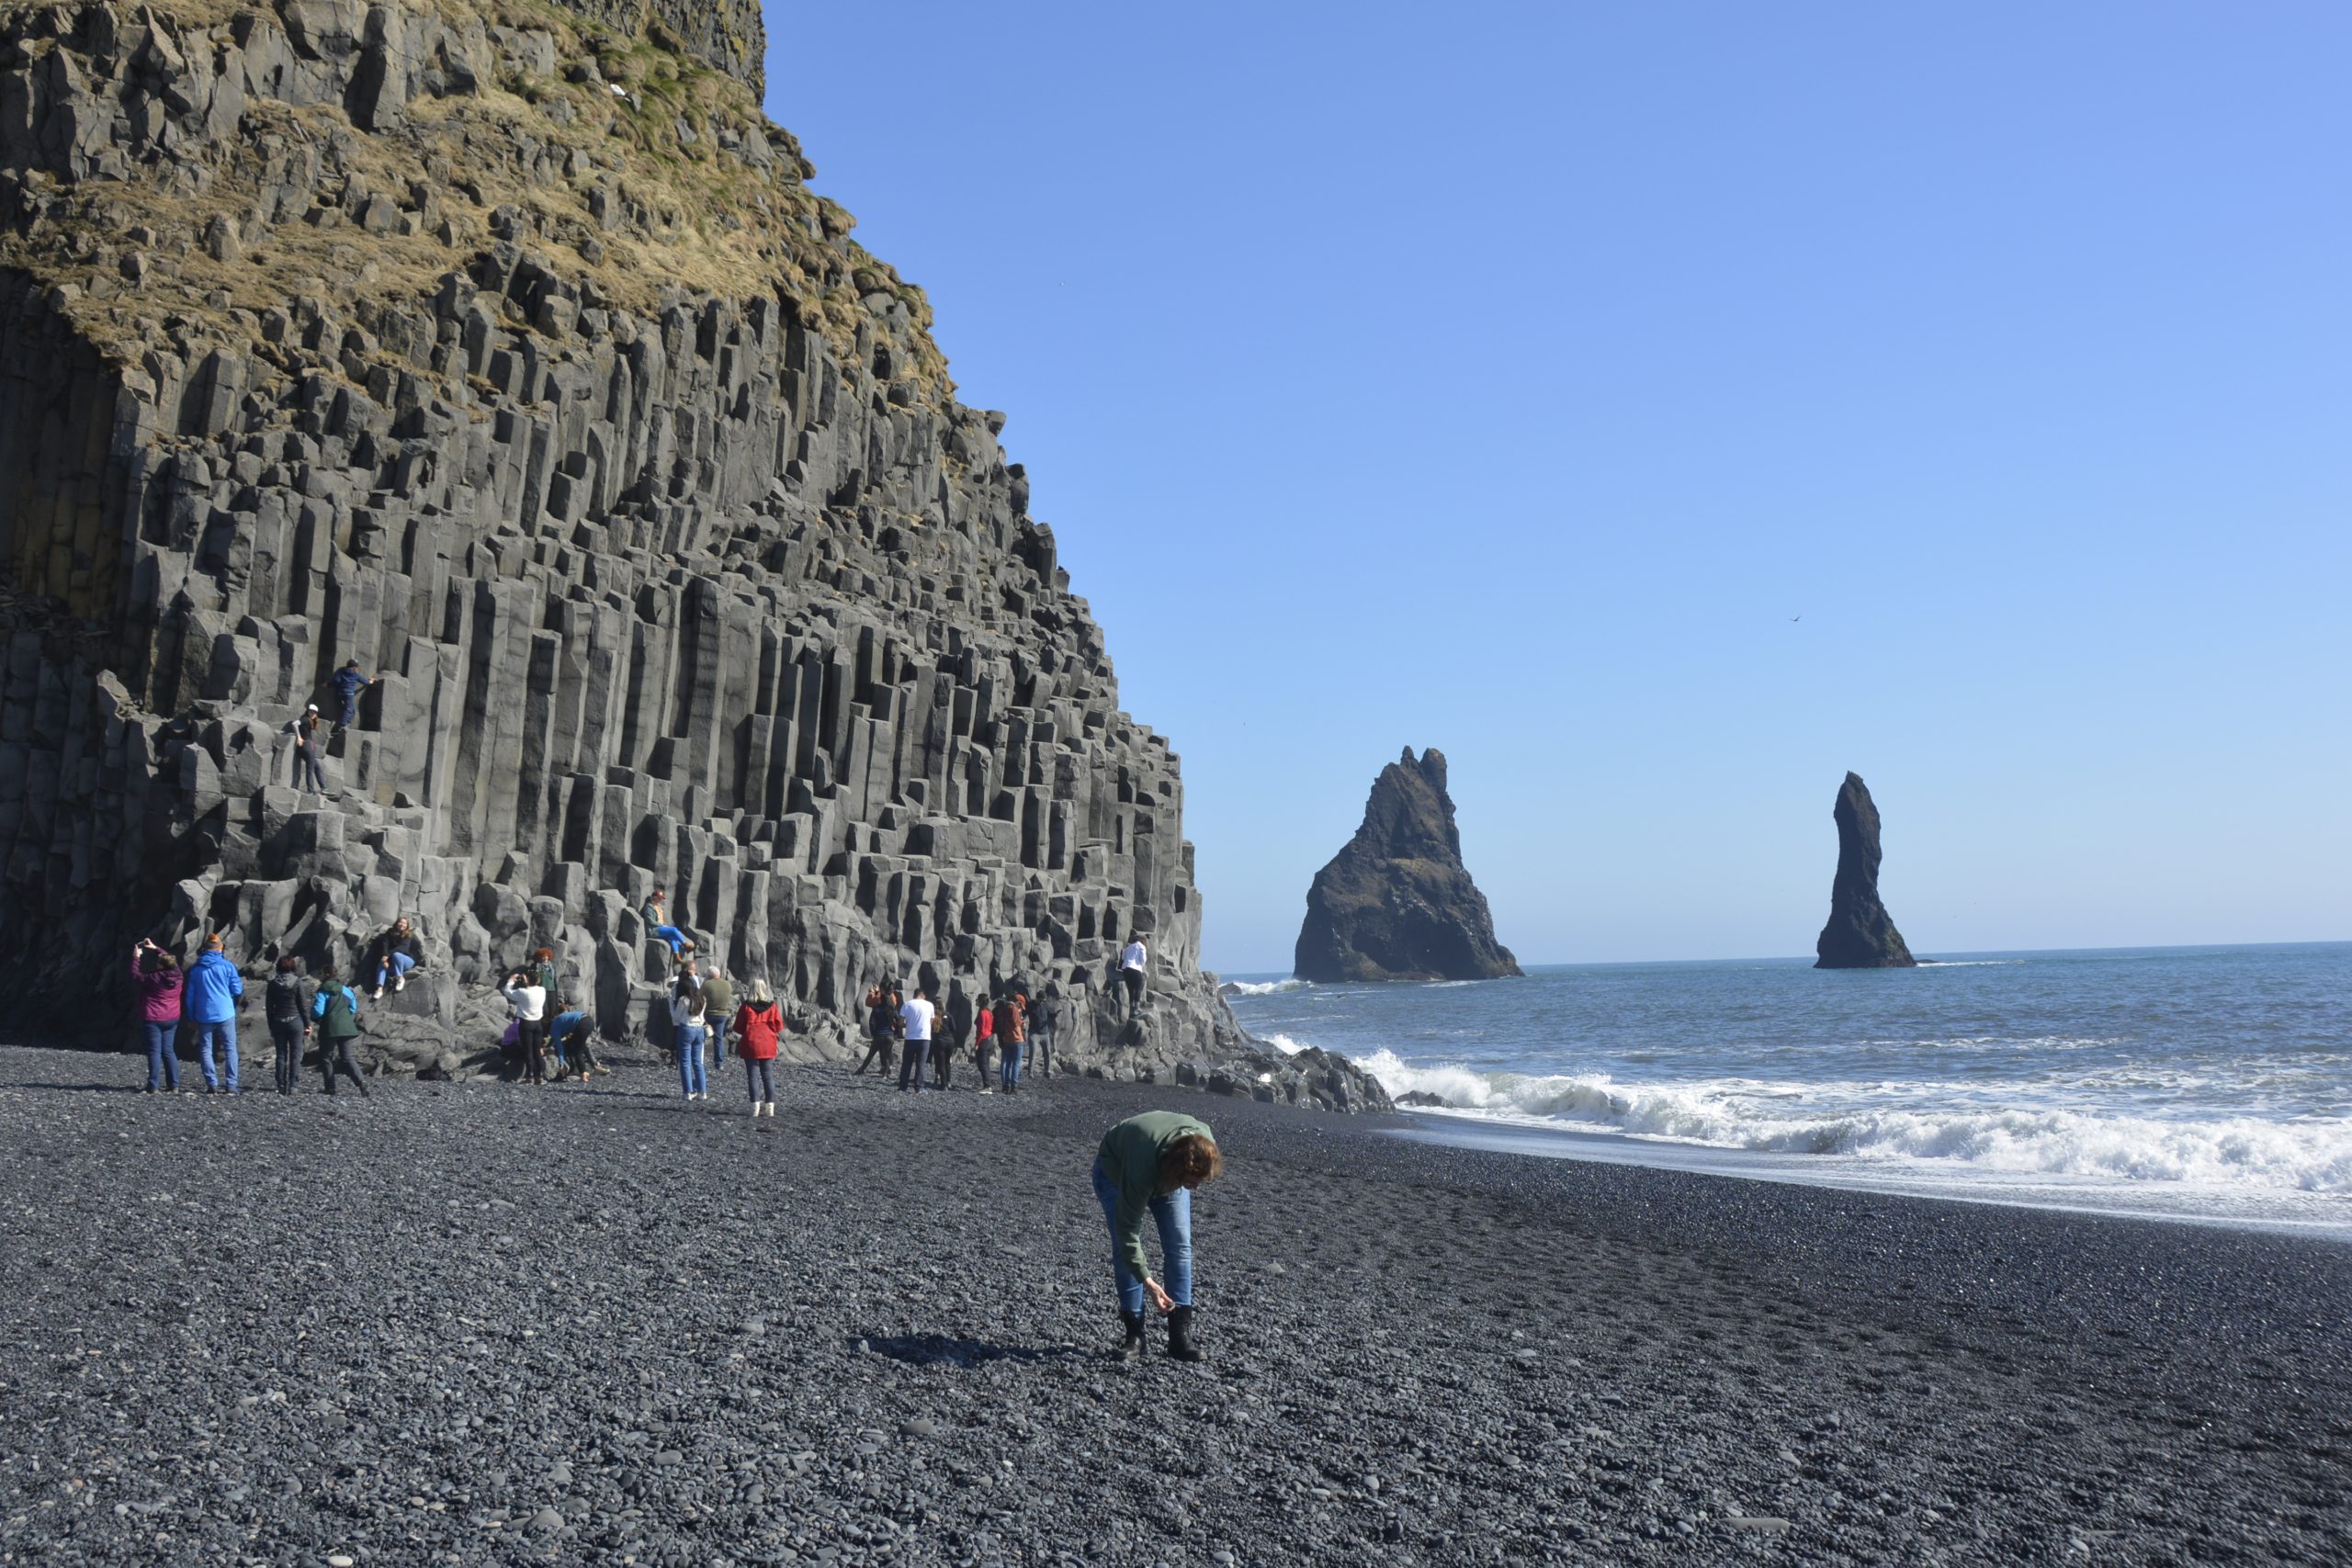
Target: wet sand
477,1323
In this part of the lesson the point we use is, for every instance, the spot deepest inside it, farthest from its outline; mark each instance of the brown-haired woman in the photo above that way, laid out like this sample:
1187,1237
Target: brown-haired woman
1154,1162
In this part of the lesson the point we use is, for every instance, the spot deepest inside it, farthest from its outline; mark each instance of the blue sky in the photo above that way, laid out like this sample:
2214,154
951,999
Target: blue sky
1510,378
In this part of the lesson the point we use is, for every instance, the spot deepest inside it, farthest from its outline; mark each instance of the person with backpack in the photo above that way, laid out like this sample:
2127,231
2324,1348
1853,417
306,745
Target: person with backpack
879,1031
1045,1017
688,1009
984,1045
529,1000
286,1009
1152,1164
334,1012
1016,1040
210,1001
955,1027
759,1025
155,976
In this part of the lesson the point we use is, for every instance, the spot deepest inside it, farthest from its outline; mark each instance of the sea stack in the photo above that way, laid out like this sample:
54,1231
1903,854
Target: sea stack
1860,934
1396,903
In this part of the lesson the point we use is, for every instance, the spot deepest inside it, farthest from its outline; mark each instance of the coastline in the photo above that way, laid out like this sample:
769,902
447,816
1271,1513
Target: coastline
473,1322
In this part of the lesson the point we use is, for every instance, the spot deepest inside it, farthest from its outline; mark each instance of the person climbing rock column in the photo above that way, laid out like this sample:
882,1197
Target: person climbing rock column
759,1024
1133,963
1152,1164
209,1000
308,776
155,975
286,1011
334,1012
348,684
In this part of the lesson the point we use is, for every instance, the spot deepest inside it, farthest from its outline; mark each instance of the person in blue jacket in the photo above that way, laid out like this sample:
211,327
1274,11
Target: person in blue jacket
348,683
209,1000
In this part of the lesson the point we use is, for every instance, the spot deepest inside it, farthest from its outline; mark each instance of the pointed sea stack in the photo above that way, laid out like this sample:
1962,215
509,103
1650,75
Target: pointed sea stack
1860,934
1396,903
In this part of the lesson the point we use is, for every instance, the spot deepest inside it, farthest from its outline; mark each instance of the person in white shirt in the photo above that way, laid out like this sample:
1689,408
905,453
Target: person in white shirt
1132,964
529,1000
916,1013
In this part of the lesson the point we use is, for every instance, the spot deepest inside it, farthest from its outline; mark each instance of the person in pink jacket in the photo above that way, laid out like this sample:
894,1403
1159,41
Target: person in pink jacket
155,975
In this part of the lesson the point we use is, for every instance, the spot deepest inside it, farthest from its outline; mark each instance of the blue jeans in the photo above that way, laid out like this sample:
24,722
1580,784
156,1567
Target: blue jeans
1009,1073
163,1063
225,1032
674,936
395,967
1173,1213
691,1078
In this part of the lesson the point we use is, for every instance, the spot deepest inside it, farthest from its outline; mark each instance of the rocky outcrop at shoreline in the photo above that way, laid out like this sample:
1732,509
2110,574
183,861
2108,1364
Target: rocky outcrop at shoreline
505,349
1396,903
1860,934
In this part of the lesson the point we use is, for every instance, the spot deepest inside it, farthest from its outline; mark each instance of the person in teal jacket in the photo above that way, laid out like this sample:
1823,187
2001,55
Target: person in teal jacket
1153,1163
334,1012
208,998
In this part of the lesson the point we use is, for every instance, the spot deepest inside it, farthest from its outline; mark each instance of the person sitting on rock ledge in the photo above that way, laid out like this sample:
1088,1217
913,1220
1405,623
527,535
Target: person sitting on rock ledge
1154,1162
657,921
394,955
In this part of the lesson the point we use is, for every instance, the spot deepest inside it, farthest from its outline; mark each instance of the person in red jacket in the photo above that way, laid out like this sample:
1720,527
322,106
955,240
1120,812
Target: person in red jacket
757,1025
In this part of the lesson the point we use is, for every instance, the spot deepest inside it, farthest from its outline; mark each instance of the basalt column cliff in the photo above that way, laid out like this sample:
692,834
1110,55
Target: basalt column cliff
504,349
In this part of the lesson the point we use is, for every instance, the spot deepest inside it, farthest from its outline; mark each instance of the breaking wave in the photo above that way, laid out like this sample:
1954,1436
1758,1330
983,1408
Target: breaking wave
1263,987
2310,1156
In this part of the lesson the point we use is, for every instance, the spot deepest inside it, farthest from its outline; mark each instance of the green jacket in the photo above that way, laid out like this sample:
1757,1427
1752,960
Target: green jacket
1130,1158
719,997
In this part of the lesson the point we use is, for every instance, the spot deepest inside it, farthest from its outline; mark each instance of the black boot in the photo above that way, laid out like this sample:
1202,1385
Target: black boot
1179,1336
1131,1348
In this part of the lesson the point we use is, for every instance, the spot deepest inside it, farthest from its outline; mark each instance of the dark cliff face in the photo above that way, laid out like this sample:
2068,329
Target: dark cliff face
1860,934
1396,903
512,357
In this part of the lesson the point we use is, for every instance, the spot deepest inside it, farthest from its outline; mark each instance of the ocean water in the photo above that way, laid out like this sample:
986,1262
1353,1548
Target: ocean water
2208,1084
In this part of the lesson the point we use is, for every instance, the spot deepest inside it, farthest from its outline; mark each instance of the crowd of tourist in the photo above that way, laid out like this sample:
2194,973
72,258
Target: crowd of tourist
1146,1165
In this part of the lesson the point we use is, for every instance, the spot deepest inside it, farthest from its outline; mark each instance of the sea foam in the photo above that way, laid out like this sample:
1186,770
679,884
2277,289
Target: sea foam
2312,1155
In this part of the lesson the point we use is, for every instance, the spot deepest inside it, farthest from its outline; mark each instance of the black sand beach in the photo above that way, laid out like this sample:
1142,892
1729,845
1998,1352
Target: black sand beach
476,1322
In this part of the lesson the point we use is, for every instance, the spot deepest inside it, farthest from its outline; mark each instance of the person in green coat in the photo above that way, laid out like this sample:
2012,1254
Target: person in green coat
335,1013
1153,1163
